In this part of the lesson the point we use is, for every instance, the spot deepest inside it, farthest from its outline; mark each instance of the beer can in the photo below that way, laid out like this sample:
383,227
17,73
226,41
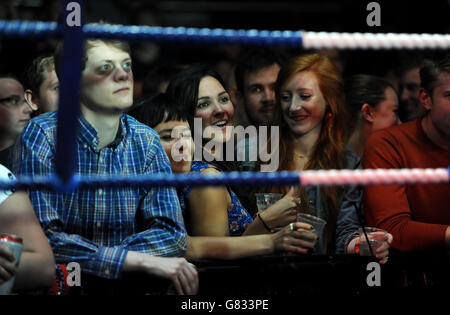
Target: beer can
15,243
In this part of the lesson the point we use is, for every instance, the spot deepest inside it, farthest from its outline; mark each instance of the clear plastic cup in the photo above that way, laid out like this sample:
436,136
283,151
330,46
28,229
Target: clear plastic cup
14,243
376,238
317,223
265,200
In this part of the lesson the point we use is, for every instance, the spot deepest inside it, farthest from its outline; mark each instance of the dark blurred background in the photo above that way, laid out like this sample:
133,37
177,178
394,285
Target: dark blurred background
311,15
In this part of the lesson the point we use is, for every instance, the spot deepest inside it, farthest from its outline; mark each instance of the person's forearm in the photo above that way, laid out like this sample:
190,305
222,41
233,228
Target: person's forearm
35,270
229,247
134,262
258,227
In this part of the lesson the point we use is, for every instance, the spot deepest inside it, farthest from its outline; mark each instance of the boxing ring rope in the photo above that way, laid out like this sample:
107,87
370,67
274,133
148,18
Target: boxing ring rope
65,178
305,178
299,39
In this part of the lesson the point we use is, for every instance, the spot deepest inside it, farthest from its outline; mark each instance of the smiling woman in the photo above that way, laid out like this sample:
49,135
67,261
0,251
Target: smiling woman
214,107
310,94
217,211
170,120
201,91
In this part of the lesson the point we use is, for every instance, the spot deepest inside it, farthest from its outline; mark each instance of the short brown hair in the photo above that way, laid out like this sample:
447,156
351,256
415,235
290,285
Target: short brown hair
34,75
88,44
430,71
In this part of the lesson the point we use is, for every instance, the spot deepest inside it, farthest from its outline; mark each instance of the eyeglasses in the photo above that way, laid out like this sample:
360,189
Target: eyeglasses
13,101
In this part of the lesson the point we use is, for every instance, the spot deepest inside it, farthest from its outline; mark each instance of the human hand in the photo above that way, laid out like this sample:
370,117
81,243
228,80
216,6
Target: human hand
7,267
296,237
380,241
183,274
283,212
382,252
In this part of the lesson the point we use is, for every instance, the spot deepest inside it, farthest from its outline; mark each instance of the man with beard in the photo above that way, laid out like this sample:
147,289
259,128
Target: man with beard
256,73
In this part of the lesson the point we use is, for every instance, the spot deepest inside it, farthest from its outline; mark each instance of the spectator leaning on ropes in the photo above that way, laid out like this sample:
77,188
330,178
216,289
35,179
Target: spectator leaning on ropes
109,232
171,122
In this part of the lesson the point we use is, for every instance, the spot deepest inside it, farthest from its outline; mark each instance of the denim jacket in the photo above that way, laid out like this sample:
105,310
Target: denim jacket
347,221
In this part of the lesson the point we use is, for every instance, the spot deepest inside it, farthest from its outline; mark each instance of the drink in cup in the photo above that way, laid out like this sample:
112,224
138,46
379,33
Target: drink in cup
318,225
376,239
265,200
14,242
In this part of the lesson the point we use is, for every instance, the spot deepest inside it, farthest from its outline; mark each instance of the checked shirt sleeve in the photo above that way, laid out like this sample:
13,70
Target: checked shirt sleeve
163,232
34,156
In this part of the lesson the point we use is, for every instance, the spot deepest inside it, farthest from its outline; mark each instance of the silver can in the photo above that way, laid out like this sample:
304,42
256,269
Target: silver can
15,243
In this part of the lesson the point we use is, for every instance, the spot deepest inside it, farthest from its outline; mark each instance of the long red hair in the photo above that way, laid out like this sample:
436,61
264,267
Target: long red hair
329,151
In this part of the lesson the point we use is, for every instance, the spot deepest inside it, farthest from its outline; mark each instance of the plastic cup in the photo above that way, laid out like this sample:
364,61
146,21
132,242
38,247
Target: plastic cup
14,243
265,200
317,223
376,239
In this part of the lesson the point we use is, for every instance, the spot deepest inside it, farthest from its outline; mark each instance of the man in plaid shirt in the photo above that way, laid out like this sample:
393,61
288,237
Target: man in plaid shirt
109,232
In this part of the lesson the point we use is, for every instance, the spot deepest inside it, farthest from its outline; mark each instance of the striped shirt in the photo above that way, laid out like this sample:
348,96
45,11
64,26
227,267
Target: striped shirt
97,227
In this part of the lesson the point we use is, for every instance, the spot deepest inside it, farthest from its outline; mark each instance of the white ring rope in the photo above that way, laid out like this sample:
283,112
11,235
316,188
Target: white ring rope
317,40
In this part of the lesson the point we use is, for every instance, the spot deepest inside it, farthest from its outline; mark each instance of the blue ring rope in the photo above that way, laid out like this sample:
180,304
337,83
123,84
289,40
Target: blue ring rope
73,37
156,33
53,182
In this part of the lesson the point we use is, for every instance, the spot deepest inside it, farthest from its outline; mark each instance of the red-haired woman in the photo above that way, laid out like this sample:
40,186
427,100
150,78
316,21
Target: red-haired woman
312,132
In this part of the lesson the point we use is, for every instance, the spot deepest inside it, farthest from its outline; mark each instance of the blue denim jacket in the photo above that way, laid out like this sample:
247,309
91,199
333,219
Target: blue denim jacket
347,221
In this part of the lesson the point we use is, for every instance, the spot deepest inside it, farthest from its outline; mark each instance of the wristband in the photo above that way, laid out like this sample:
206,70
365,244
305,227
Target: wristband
265,225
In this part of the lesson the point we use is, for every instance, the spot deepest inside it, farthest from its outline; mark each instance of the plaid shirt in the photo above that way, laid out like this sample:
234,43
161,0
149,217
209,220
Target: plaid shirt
97,227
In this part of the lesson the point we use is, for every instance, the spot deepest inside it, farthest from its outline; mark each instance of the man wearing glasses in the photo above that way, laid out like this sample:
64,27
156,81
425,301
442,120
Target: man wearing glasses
14,115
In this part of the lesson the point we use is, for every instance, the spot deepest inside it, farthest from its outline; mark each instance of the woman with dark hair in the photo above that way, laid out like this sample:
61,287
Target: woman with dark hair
310,93
217,211
170,121
373,105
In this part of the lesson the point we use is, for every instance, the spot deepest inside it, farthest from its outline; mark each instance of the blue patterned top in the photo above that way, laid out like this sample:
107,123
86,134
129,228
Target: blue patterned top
238,217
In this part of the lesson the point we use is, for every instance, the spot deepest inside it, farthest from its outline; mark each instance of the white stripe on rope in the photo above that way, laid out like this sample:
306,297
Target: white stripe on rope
375,176
316,40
